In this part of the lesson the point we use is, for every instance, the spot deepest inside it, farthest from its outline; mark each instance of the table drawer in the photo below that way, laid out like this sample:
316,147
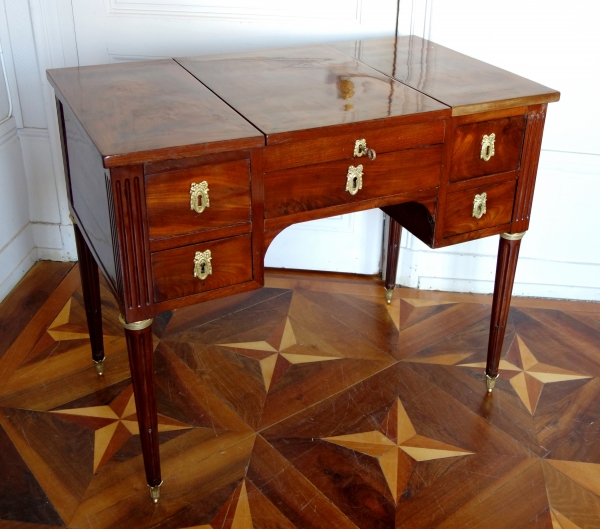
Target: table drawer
324,185
329,149
226,201
462,211
471,157
173,270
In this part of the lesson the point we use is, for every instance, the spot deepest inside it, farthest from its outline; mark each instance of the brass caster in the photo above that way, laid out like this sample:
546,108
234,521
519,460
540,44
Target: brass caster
155,492
99,365
490,382
388,295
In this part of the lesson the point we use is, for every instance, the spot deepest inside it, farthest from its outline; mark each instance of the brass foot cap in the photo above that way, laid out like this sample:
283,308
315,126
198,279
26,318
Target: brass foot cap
490,382
155,492
99,365
388,295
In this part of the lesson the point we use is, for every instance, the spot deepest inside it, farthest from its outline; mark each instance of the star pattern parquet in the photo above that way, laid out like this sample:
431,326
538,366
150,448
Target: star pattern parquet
308,404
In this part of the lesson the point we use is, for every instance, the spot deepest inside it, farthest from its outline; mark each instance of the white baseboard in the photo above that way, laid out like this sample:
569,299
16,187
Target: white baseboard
16,258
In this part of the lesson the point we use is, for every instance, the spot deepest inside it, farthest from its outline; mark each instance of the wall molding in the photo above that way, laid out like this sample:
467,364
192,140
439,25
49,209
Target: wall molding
21,250
236,9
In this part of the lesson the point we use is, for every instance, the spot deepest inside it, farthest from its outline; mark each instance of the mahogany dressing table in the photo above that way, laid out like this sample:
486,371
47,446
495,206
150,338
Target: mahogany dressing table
181,172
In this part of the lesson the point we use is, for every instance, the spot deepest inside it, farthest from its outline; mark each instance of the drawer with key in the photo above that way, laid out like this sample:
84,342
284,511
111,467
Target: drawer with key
197,199
201,267
487,147
329,184
479,208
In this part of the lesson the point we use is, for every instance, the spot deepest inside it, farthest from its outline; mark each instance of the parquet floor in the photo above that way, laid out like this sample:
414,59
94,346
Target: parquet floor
307,404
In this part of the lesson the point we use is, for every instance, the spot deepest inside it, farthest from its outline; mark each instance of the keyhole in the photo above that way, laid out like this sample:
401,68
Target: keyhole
487,151
202,267
354,180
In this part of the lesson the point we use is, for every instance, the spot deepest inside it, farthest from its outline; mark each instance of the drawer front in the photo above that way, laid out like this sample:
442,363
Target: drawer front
173,270
169,199
324,185
321,150
460,216
467,161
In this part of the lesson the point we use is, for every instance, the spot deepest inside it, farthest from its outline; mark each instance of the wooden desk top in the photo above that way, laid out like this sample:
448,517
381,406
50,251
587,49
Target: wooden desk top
284,91
461,82
153,110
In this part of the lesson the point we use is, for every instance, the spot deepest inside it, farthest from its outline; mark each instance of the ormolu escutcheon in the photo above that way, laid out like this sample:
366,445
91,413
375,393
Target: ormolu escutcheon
479,203
354,179
490,382
199,200
360,149
487,147
202,266
155,492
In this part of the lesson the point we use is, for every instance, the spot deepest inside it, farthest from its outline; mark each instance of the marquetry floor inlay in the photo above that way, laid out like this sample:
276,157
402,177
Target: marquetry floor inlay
308,404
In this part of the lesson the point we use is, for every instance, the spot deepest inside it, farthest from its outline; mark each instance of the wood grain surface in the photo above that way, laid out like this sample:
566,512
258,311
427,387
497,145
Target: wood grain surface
466,154
458,217
168,199
146,111
461,82
309,403
290,90
324,185
173,270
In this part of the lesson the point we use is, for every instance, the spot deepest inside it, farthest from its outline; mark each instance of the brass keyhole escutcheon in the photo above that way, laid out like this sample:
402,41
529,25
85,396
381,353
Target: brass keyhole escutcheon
202,265
354,179
360,149
487,147
199,200
479,203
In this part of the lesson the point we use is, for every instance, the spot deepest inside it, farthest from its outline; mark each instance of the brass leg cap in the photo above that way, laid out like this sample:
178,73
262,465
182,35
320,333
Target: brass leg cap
388,295
155,492
490,382
99,365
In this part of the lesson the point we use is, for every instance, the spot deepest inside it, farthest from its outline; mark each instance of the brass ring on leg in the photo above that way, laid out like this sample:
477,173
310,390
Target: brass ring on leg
513,236
490,382
136,325
389,292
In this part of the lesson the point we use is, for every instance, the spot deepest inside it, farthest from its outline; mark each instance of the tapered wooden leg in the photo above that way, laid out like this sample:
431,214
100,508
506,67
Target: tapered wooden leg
141,362
391,265
90,283
508,253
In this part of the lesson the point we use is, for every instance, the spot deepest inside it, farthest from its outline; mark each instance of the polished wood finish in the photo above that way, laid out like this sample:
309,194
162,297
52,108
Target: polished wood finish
466,156
141,362
506,267
90,283
467,85
460,458
393,251
160,113
273,133
459,208
286,91
324,185
168,199
173,270
327,149
531,156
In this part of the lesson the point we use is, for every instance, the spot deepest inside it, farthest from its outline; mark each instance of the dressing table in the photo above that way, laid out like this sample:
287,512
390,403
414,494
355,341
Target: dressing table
181,172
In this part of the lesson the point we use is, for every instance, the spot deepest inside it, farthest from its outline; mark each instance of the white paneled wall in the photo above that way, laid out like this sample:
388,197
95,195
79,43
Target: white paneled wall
550,42
556,44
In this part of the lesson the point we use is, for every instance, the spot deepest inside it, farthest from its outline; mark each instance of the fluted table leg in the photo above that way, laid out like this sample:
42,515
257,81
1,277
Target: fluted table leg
508,253
141,361
391,264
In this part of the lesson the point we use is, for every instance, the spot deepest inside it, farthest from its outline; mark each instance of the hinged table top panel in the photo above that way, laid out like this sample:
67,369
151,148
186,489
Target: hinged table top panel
152,110
284,91
461,82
